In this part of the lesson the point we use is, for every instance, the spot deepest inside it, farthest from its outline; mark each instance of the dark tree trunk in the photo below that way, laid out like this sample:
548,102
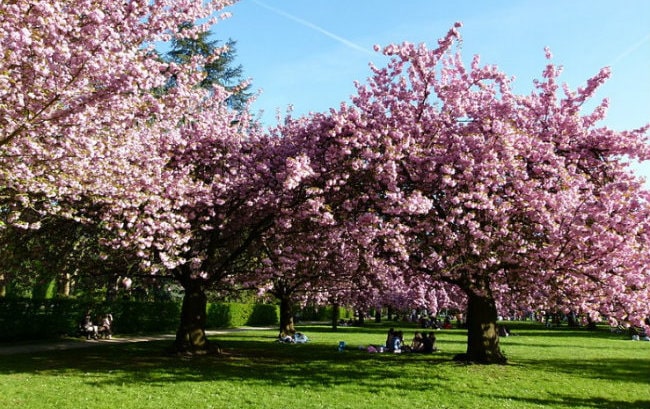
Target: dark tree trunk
482,332
336,313
286,317
190,337
378,315
362,318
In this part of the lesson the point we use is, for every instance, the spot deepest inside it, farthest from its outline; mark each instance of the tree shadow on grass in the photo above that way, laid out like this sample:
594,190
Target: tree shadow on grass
257,360
371,328
254,361
528,342
568,401
611,369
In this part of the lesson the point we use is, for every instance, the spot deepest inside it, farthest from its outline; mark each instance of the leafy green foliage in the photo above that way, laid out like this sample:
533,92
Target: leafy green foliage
63,258
219,71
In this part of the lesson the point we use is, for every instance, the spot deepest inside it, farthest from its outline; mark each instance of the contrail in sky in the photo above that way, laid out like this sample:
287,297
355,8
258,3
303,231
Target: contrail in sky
630,50
314,27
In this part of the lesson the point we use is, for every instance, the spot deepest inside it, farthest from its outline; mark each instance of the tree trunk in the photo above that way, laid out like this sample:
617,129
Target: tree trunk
190,337
378,315
482,333
336,313
362,318
286,317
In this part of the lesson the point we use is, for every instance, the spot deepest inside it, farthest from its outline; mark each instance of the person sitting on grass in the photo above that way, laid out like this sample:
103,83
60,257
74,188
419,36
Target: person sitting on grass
429,343
416,344
389,339
639,333
503,330
398,340
300,338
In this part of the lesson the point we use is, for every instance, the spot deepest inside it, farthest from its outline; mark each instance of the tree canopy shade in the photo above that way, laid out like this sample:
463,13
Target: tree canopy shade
444,174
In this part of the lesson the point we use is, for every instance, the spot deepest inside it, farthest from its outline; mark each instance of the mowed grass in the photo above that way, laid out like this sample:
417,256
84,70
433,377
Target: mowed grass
548,368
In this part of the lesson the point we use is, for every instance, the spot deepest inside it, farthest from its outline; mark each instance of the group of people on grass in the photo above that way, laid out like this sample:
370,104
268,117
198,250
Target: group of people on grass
297,338
423,342
435,323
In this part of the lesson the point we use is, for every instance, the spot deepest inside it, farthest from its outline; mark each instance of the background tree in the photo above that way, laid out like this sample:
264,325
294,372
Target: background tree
219,68
40,260
297,271
314,256
63,258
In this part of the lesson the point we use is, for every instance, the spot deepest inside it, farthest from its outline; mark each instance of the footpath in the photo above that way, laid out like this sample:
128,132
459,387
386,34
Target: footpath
77,343
65,344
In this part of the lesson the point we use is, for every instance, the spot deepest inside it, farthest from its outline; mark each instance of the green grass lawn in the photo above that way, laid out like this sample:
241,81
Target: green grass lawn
548,368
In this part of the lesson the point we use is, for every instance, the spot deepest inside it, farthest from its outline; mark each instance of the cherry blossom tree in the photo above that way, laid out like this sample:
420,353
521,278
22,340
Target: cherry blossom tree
311,256
437,179
75,84
307,262
515,200
83,134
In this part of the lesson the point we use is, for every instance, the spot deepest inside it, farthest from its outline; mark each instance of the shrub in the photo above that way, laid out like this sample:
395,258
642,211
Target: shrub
325,313
263,315
228,315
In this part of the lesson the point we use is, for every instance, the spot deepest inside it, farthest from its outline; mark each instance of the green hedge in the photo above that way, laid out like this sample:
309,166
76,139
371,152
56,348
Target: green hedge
141,316
229,315
318,313
34,319
25,319
264,315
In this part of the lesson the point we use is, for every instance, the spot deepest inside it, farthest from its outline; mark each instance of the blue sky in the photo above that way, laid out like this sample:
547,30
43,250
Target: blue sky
308,53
